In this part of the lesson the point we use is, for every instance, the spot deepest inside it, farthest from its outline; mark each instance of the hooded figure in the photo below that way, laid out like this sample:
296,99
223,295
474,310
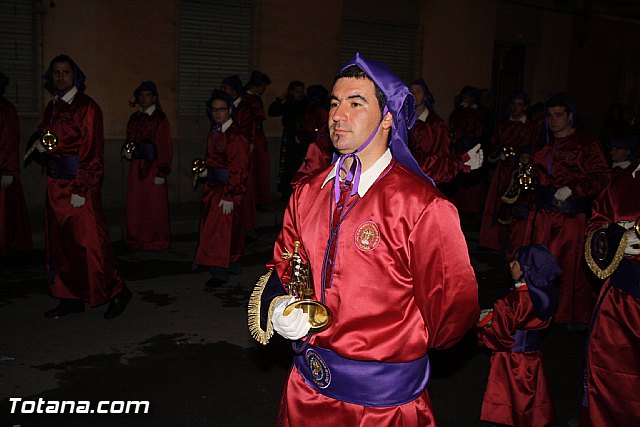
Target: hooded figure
78,76
540,269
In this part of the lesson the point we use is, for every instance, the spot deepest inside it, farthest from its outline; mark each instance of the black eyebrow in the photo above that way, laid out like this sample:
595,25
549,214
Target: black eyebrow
357,96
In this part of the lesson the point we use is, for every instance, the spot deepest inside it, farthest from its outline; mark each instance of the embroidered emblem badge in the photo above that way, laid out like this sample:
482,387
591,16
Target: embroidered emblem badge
367,236
320,373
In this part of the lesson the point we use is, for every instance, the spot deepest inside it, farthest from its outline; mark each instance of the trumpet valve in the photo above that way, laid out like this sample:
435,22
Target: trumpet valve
129,147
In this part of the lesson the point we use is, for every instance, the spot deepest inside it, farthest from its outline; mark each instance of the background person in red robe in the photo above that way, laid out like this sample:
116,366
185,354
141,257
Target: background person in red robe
260,163
221,242
571,170
613,349
148,226
512,144
517,392
15,230
388,259
430,143
81,265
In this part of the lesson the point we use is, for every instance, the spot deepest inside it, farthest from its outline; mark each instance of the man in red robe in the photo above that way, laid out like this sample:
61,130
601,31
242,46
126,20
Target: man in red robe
430,143
387,258
221,242
571,170
148,226
513,141
260,163
15,230
81,265
613,350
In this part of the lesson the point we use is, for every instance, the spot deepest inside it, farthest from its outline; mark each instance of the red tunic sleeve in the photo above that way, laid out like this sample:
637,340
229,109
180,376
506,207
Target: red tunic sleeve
9,139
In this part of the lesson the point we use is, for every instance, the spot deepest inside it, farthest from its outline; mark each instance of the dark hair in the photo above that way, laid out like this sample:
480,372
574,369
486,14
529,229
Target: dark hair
356,72
294,84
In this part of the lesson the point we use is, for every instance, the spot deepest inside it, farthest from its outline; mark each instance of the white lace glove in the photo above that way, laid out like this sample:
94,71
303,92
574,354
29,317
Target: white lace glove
294,326
633,243
203,174
227,207
7,180
158,180
563,193
476,157
77,201
127,155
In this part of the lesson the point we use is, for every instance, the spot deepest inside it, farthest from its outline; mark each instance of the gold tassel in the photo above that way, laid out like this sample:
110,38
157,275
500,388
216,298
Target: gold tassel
603,273
255,302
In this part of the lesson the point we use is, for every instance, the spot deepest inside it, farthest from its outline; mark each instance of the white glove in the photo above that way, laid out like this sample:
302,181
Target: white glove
633,243
476,157
293,326
627,224
127,155
158,180
203,174
227,207
40,147
77,201
562,194
7,180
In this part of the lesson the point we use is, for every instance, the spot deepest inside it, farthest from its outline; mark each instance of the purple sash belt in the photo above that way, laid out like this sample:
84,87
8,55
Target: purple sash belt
217,176
526,341
62,167
145,151
366,383
572,206
627,278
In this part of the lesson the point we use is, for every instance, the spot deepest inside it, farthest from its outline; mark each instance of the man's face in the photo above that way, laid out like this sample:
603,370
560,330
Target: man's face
220,112
298,93
62,75
517,107
354,113
418,93
559,120
619,154
146,99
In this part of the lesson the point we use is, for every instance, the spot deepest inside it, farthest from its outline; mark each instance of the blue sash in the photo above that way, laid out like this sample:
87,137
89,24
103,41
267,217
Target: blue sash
217,176
145,151
62,167
627,278
571,206
366,383
526,341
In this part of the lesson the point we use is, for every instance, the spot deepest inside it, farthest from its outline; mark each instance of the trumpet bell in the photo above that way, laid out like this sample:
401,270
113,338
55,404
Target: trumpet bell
319,314
129,147
198,166
49,140
636,227
508,152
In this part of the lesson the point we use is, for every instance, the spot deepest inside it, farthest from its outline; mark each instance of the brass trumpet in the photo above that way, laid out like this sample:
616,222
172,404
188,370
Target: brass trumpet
128,147
526,178
48,139
301,287
508,152
523,178
197,167
636,227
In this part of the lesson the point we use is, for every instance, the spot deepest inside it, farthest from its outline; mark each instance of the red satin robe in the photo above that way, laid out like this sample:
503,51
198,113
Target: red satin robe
243,117
429,143
578,163
15,230
406,289
468,190
613,352
80,260
320,151
519,136
260,163
222,236
148,226
517,392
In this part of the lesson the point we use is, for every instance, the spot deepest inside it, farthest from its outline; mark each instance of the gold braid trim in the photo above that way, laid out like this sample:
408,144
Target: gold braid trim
606,272
255,303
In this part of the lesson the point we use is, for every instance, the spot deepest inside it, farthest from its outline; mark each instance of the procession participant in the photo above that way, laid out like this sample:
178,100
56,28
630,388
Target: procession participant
613,253
81,265
387,257
221,242
148,226
513,142
571,170
15,230
511,330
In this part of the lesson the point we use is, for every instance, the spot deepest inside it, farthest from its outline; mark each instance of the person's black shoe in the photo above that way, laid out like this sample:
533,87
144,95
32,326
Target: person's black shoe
66,306
214,282
118,304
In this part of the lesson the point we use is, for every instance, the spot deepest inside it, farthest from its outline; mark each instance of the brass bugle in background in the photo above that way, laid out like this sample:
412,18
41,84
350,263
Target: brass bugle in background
129,147
48,139
197,167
